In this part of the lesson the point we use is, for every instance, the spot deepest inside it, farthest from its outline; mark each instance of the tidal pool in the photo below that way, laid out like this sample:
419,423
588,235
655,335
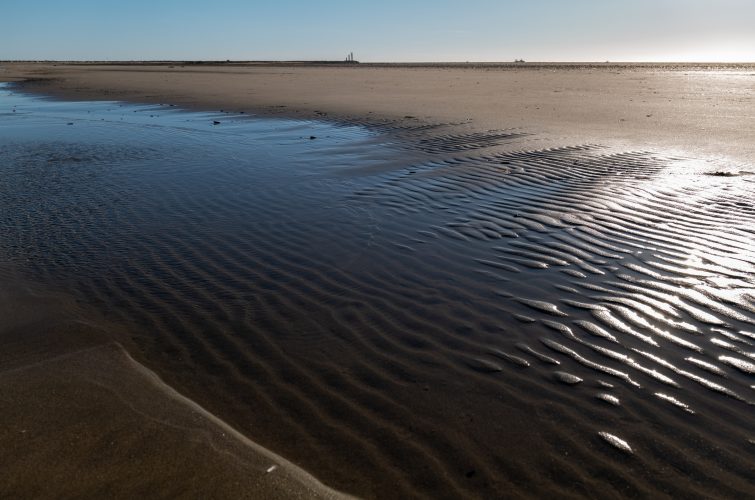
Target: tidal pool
406,310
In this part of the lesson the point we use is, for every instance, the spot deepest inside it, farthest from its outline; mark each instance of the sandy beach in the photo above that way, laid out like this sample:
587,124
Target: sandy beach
82,418
698,110
656,107
439,281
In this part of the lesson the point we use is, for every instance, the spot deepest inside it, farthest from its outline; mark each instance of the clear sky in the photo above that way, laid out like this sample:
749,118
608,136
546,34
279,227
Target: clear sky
379,30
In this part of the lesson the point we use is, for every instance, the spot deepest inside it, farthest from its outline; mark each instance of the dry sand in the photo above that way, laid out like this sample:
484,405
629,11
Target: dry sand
693,110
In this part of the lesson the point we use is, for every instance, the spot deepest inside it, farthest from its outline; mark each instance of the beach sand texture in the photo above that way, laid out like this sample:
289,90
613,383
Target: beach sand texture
538,284
82,419
657,107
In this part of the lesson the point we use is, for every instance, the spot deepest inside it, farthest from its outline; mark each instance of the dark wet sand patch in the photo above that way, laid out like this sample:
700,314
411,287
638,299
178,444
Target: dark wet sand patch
81,418
290,306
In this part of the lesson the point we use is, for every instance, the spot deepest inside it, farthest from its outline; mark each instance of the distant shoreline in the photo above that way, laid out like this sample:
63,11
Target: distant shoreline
414,64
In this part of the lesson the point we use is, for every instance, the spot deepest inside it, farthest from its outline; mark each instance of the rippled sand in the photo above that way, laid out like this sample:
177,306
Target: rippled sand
411,309
81,418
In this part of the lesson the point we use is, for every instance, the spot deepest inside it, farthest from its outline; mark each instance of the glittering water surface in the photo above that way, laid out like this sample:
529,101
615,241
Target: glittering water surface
405,309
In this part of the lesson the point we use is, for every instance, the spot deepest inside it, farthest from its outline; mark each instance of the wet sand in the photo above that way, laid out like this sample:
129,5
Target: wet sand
81,418
557,306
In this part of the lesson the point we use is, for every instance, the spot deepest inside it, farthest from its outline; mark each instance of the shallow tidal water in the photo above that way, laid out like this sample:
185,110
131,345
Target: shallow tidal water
406,311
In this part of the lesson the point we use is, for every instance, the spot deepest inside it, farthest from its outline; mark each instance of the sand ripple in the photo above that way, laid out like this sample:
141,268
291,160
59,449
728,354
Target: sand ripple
409,309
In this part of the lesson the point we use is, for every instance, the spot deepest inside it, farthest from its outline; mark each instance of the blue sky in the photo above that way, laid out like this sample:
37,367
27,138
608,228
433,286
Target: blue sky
380,30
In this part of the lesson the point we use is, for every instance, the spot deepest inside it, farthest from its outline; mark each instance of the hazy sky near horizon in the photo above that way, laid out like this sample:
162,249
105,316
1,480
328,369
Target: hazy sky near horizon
387,30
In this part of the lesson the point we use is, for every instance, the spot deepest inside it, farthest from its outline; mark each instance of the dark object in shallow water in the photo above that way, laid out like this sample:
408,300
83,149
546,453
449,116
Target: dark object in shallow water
312,137
722,173
215,122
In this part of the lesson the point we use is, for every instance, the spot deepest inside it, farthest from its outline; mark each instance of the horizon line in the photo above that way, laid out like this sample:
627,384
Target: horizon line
355,62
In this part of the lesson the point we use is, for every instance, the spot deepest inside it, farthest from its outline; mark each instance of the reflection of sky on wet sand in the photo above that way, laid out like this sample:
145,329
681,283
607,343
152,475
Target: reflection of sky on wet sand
608,290
721,259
